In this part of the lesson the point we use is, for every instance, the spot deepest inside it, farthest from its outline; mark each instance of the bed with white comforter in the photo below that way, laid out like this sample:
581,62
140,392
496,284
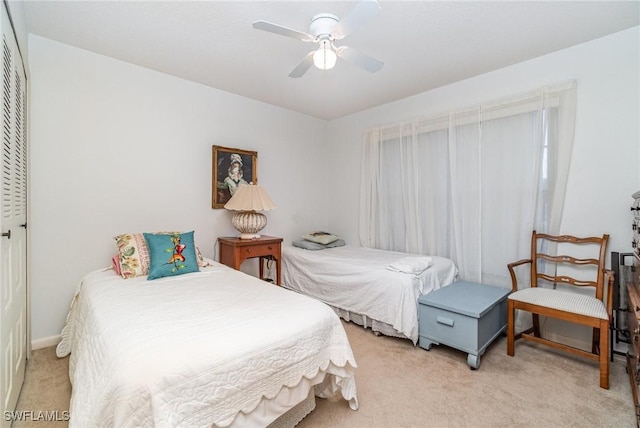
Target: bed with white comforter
209,348
375,288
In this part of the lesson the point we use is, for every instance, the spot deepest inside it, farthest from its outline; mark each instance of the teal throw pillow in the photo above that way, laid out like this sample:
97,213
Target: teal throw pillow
171,254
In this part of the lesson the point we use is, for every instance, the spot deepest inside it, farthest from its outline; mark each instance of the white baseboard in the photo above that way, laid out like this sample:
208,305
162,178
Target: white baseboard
45,342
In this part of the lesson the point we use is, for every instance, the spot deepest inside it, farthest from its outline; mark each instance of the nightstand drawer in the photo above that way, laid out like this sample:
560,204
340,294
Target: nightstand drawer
259,250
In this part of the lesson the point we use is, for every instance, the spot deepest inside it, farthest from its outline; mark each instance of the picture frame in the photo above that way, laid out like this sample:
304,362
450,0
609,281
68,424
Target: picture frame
231,167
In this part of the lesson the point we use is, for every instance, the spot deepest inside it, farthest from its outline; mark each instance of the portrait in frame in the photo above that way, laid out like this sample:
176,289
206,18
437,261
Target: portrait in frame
231,168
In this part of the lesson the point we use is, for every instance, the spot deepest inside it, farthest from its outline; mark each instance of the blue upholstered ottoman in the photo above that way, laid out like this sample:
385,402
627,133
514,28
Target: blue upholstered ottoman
464,315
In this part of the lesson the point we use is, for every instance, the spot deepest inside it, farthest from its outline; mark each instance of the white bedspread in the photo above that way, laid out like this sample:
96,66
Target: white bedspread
359,280
196,349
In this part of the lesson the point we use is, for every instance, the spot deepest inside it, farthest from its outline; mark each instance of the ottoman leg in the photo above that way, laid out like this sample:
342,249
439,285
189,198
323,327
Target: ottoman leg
425,343
473,361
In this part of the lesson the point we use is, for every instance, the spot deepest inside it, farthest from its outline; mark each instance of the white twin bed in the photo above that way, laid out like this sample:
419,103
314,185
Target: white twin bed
211,348
374,288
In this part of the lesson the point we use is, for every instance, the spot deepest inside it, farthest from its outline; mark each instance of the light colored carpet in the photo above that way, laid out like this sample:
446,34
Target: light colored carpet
400,385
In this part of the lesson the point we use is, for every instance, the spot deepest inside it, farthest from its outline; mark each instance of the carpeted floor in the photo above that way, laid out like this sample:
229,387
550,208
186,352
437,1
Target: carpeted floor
400,385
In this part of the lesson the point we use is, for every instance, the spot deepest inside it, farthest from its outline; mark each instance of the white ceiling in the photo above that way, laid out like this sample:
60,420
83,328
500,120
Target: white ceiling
424,44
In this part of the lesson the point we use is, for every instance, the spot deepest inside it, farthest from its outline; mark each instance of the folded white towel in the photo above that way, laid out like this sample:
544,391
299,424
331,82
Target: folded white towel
413,265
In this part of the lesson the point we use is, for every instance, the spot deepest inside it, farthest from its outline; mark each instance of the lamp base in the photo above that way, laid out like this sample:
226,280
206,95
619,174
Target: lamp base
249,223
249,236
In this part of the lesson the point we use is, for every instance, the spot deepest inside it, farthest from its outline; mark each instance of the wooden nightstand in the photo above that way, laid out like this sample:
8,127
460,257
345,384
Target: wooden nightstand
233,251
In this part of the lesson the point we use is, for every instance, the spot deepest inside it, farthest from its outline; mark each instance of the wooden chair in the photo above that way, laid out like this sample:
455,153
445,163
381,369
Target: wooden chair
592,311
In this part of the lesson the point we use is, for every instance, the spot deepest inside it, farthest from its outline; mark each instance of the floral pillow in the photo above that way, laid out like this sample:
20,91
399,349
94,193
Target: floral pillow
201,261
115,264
133,255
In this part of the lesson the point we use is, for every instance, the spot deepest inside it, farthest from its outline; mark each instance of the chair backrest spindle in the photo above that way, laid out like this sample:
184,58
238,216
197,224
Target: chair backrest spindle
561,259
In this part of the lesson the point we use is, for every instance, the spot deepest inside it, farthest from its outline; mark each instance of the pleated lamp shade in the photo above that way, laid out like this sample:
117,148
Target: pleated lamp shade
247,200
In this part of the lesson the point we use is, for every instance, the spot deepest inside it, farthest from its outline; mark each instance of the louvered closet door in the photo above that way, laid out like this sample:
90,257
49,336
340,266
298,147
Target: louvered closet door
13,244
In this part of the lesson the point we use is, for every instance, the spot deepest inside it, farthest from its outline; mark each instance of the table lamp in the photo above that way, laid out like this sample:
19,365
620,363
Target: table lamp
247,200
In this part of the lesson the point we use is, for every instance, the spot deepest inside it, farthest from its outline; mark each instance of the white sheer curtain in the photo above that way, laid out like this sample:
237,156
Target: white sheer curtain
470,185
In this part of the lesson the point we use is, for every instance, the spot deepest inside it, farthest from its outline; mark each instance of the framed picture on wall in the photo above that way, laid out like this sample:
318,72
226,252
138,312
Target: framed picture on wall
231,168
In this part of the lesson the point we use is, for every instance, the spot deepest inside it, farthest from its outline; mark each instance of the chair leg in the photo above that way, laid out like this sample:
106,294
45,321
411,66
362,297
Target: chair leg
510,328
604,355
536,325
595,341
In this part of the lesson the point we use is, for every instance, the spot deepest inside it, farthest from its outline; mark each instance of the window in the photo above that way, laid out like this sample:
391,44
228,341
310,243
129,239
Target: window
470,185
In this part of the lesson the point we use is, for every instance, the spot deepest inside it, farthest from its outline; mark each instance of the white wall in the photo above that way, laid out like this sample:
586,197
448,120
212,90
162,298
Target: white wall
605,168
117,148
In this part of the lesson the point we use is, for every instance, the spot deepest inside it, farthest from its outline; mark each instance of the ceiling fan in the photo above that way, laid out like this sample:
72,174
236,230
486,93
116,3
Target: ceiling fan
325,29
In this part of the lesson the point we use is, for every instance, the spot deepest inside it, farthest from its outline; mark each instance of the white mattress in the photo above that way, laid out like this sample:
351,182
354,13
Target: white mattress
200,349
356,279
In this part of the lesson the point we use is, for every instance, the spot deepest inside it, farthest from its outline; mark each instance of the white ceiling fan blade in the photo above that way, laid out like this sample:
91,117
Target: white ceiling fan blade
361,13
283,31
372,65
305,65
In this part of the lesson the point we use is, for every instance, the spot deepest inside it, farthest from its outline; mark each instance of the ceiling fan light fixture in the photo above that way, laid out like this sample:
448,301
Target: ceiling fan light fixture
324,30
325,57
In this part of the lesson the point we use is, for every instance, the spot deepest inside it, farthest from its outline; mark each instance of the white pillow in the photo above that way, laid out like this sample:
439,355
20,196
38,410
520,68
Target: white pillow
320,237
308,245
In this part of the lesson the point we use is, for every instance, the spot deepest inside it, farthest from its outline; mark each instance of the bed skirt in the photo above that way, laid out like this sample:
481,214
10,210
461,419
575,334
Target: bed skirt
378,327
297,414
